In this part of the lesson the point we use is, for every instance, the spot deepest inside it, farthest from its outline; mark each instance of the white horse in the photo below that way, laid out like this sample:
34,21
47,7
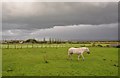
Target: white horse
78,51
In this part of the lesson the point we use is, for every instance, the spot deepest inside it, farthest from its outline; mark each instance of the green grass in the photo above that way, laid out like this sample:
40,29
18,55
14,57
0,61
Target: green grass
0,62
31,62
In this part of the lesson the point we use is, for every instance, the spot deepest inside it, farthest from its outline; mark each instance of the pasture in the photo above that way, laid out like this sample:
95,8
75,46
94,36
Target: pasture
52,61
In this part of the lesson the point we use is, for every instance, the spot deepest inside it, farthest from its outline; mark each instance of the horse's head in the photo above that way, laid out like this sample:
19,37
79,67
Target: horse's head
87,50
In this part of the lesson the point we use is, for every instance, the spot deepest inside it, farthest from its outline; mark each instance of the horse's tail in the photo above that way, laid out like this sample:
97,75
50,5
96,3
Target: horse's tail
70,52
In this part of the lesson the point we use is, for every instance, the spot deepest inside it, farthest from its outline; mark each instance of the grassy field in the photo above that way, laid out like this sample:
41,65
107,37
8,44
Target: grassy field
53,62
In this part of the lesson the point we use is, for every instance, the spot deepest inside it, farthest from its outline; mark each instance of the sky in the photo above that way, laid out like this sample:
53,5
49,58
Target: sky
60,20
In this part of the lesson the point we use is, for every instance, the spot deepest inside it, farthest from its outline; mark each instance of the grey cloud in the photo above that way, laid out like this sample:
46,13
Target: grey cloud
67,21
76,32
81,32
9,26
37,15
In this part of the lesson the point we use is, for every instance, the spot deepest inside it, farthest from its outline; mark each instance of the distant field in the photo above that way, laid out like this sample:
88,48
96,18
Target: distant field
53,62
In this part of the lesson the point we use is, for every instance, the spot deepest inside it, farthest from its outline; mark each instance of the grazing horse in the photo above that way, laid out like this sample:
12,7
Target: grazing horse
78,51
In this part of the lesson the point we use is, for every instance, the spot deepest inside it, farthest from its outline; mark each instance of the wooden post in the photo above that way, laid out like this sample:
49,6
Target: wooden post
21,46
8,46
32,45
27,45
15,45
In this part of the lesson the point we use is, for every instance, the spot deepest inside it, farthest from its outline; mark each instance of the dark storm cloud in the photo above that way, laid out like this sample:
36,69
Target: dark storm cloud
37,15
76,32
67,21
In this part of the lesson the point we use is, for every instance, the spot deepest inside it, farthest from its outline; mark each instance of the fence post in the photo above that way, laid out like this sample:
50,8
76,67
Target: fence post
21,46
37,45
8,46
27,45
32,45
15,46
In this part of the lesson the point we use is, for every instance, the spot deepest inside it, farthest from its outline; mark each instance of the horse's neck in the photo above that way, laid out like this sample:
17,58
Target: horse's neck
83,50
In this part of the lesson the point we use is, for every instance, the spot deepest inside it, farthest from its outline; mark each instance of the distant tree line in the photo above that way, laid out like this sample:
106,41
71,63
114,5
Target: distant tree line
59,41
44,41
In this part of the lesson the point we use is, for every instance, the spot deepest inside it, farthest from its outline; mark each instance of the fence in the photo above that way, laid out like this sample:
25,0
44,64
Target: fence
20,46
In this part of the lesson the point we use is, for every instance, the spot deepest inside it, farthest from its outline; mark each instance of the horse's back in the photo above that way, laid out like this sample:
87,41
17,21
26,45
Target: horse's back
84,47
74,50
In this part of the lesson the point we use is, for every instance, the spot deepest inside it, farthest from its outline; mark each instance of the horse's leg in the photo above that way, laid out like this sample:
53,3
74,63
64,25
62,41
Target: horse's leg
82,57
78,57
69,56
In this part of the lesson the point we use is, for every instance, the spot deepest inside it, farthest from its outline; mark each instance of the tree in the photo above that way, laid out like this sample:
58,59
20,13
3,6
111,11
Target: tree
93,44
31,41
50,40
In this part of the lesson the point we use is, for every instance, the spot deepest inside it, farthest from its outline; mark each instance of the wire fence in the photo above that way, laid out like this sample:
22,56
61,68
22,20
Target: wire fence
20,46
